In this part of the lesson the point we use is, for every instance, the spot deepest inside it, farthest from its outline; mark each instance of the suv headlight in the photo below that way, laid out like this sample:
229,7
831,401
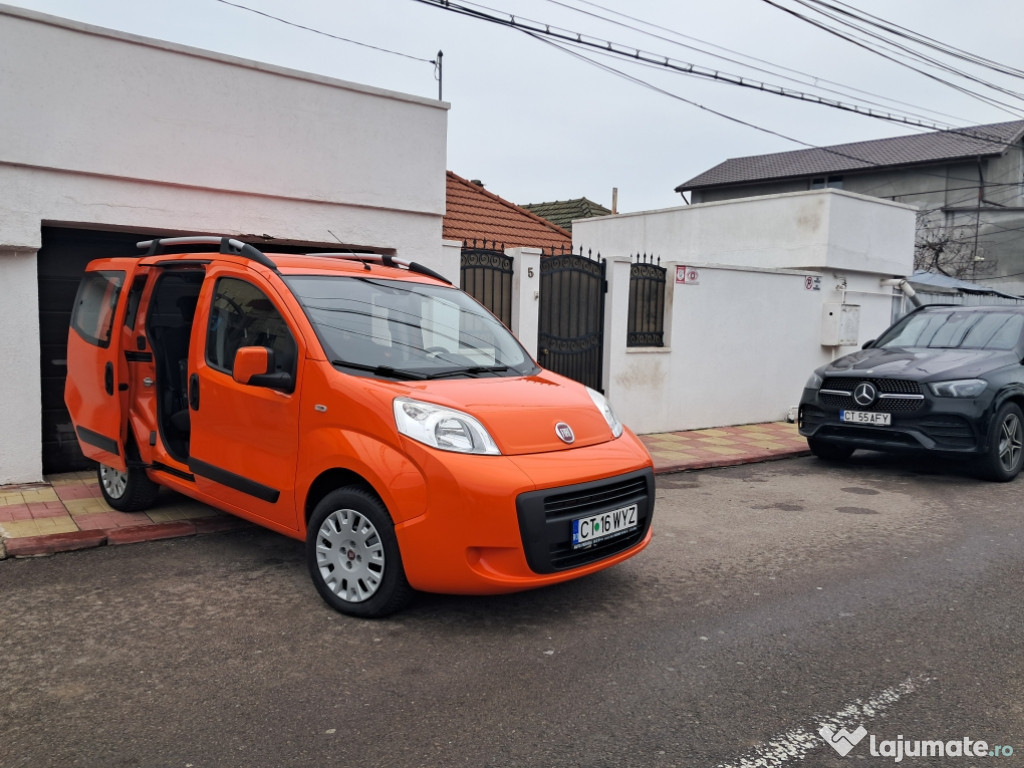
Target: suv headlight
442,428
606,410
958,388
814,382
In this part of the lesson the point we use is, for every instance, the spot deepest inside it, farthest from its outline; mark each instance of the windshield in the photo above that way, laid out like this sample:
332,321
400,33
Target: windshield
956,330
407,330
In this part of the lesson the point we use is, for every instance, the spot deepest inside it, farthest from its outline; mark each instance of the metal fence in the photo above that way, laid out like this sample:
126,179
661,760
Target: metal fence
486,275
646,323
570,338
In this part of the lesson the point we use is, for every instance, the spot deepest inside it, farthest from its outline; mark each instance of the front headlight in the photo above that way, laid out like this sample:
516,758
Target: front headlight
814,382
606,410
442,428
958,388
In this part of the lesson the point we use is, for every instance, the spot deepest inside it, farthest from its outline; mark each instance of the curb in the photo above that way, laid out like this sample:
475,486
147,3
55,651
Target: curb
53,543
667,469
50,544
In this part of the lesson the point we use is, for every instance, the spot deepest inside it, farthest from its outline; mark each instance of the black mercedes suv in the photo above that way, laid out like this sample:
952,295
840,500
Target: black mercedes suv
944,380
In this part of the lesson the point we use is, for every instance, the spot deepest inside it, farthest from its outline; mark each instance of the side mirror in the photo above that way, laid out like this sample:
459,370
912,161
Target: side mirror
254,366
868,343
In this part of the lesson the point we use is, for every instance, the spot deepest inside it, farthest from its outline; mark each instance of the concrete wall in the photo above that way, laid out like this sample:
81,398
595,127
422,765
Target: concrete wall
949,195
741,339
112,131
823,229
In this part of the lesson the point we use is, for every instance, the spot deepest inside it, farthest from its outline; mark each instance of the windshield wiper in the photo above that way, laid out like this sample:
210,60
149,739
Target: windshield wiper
381,370
471,370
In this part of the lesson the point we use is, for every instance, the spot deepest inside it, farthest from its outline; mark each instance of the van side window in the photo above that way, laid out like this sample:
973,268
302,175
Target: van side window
243,316
93,313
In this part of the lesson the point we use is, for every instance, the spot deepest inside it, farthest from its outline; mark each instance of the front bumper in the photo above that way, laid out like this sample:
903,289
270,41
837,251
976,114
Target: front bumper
942,425
497,524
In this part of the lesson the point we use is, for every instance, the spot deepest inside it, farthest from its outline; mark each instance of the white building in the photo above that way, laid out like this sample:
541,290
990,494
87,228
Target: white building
108,138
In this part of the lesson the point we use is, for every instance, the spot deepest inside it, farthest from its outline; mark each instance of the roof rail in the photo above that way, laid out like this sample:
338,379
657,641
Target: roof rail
227,245
387,261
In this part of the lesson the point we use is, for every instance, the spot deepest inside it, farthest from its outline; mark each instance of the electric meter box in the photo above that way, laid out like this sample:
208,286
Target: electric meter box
840,324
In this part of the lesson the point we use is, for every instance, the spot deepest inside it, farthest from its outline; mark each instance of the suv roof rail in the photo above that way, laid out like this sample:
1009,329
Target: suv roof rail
387,261
227,245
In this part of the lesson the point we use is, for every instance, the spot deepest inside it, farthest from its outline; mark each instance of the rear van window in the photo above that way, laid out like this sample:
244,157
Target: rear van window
93,313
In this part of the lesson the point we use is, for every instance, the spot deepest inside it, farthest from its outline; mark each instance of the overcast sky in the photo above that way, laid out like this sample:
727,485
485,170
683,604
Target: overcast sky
535,123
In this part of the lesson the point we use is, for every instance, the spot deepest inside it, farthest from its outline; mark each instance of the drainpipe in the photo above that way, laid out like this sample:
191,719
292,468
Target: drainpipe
903,285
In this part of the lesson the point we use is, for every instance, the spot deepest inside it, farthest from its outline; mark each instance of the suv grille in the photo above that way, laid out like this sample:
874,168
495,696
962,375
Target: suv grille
546,517
907,395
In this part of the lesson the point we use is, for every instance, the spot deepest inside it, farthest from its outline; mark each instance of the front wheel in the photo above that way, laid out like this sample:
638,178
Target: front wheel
829,451
353,555
1005,455
130,491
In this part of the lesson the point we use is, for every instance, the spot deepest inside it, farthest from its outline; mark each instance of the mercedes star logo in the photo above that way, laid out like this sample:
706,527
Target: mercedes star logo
865,393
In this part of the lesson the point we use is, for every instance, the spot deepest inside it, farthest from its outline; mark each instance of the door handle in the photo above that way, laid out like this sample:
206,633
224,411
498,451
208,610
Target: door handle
108,377
193,391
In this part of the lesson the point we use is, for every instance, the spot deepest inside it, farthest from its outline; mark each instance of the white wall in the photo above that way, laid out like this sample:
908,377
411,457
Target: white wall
20,397
822,229
106,130
741,340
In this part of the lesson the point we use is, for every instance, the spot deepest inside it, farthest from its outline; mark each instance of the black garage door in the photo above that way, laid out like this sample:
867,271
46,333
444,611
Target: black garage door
62,260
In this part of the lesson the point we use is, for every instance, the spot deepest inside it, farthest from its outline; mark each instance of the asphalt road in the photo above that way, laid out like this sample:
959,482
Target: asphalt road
775,599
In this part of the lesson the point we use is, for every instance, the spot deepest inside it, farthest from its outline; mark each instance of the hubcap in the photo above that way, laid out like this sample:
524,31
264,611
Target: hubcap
114,481
1011,442
350,555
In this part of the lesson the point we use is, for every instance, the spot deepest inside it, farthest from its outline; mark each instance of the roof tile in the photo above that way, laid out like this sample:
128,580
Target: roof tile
473,213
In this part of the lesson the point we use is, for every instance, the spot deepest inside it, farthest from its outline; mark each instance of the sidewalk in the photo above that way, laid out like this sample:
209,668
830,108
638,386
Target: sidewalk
68,512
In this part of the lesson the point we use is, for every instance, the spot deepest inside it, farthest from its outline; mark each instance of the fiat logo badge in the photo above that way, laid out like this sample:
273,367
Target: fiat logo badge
564,432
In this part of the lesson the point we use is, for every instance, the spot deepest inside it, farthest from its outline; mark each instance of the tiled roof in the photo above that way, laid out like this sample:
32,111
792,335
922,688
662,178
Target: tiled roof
920,149
562,212
473,213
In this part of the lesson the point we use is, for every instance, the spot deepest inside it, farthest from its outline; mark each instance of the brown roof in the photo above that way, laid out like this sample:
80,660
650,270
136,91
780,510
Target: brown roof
919,149
473,213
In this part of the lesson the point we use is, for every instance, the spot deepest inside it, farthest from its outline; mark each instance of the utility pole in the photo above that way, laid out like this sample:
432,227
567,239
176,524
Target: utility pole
439,74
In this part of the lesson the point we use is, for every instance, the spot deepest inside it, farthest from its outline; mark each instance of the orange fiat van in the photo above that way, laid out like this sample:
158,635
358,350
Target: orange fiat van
359,403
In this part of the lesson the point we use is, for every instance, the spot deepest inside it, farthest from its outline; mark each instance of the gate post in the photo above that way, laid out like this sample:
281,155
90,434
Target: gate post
616,319
525,296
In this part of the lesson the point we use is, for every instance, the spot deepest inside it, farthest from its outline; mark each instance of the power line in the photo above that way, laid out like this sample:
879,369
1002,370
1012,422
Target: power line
327,34
868,47
769,67
540,30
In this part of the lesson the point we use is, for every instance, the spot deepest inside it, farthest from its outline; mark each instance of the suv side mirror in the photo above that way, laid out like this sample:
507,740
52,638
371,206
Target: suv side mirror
868,343
254,366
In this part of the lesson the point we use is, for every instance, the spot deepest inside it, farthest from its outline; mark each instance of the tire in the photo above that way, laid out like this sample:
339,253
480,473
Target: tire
130,491
1005,455
353,555
829,451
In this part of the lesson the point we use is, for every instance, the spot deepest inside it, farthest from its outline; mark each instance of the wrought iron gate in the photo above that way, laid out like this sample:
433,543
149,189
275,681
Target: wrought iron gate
486,275
570,340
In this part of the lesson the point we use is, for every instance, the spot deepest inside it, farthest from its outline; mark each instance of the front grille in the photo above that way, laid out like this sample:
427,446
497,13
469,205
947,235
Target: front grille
592,501
546,517
897,387
890,386
868,434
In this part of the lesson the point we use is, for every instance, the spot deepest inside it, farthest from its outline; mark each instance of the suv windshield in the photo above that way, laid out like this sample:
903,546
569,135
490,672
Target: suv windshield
406,329
954,329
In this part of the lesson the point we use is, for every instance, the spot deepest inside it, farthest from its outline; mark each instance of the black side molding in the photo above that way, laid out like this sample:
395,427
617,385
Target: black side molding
97,440
233,481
